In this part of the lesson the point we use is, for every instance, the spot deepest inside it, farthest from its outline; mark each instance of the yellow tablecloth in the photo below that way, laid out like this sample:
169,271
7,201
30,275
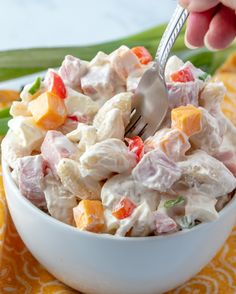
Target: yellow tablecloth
20,273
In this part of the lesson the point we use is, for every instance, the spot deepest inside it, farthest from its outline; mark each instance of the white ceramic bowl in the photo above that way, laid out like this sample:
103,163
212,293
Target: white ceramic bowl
104,264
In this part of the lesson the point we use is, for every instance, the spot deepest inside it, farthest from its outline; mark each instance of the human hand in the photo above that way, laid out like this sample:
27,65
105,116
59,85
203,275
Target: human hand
211,23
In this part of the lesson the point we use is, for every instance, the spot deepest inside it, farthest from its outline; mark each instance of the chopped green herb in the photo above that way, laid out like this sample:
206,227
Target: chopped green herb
5,112
173,202
186,222
36,85
204,76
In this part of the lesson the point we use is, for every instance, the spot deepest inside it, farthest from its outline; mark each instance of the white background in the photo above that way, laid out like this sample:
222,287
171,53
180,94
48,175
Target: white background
40,23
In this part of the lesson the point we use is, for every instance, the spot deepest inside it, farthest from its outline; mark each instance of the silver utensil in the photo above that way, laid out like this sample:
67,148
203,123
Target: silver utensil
150,101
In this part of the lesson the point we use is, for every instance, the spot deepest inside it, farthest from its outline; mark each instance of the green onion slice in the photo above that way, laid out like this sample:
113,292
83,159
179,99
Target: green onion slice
173,202
204,76
35,87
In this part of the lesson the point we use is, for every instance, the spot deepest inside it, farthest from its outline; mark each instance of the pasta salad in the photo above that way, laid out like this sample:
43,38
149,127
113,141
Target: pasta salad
69,156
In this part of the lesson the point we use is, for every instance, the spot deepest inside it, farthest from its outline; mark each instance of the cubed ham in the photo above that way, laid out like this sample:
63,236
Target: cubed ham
55,147
210,137
156,171
206,174
30,173
102,82
186,86
164,224
175,144
228,158
124,61
71,71
181,94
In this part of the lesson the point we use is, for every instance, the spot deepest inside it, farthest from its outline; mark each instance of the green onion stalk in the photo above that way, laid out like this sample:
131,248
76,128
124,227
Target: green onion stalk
17,63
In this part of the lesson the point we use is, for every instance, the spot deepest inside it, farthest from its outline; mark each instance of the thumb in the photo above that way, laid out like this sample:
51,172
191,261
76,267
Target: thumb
230,3
200,5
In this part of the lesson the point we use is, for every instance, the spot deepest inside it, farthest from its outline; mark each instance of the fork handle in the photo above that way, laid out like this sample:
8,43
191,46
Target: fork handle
169,37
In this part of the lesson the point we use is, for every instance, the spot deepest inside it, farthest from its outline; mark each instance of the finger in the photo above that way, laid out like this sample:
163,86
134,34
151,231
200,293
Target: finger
222,29
229,3
197,27
184,3
199,5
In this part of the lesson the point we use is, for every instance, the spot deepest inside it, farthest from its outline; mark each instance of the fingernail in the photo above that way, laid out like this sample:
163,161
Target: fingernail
185,3
208,46
188,45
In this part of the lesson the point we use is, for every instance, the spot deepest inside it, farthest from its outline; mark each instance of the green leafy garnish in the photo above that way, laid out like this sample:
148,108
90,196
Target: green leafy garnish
186,222
17,63
203,77
36,85
4,125
173,202
5,112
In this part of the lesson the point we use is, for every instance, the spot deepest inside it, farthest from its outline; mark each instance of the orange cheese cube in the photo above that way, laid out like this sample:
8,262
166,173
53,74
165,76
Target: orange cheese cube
89,216
175,144
188,119
48,111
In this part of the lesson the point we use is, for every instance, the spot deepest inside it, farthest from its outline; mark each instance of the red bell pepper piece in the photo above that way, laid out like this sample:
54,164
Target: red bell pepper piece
124,208
56,84
143,54
74,118
182,76
81,118
136,146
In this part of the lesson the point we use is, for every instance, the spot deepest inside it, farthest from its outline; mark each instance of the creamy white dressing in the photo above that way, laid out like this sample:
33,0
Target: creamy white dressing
91,161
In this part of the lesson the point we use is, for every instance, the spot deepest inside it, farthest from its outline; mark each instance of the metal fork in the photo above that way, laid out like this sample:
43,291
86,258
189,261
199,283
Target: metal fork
150,101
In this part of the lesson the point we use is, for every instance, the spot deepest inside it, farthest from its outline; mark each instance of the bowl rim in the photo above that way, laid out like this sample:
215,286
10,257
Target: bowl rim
7,175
